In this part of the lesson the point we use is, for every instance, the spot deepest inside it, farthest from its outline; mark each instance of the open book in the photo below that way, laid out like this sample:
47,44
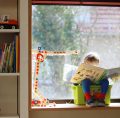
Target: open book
114,74
88,71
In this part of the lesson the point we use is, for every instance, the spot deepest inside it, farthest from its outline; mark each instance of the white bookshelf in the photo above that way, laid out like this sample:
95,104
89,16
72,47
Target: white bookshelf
9,30
14,86
11,116
9,74
9,82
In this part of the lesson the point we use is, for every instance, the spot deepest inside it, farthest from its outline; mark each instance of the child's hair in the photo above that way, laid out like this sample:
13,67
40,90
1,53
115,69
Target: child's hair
92,57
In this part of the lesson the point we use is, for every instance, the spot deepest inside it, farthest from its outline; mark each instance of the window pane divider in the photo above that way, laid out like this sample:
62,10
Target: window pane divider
76,2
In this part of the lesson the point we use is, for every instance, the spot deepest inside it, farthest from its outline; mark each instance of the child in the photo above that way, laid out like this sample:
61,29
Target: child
93,59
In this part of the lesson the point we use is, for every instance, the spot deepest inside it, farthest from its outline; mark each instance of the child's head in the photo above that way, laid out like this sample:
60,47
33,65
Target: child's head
92,59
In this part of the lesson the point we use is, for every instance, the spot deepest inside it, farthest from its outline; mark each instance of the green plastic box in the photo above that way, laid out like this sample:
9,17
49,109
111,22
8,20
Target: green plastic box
79,98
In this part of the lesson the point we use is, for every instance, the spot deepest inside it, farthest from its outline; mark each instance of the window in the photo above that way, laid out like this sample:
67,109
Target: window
70,28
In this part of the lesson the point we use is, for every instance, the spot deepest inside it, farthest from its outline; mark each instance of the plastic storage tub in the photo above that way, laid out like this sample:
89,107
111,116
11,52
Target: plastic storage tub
79,98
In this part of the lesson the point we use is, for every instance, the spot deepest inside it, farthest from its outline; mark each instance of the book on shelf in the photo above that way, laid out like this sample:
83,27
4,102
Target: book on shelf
0,59
17,53
9,56
94,73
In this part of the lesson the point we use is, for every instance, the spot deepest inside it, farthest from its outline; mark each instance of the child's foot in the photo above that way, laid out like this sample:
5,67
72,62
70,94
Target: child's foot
101,103
91,103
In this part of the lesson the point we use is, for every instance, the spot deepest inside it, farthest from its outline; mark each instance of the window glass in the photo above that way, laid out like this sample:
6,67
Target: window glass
68,29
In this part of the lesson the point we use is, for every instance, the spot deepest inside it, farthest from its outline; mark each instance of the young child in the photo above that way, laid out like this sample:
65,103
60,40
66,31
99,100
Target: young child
93,59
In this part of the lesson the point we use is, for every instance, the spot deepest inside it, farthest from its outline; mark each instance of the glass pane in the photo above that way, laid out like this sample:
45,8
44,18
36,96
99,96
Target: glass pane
69,28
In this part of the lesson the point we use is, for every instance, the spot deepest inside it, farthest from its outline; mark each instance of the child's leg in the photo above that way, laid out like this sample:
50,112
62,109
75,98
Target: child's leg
86,83
104,87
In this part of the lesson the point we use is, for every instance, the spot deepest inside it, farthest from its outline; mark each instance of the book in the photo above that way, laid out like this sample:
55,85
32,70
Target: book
0,60
14,56
95,74
9,56
114,74
17,53
11,59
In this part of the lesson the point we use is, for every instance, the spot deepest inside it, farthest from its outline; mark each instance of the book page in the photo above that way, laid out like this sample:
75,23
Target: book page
114,74
88,71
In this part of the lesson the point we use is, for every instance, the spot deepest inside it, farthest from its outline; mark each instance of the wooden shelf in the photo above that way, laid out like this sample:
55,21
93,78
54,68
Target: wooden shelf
9,30
11,116
9,74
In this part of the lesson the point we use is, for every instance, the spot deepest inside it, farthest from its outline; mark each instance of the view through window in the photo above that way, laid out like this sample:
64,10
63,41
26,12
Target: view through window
69,28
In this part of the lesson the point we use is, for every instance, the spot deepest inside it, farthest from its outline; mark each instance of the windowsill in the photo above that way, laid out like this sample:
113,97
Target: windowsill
73,106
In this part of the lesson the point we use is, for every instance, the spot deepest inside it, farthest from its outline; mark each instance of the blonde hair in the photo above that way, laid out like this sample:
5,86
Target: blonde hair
92,57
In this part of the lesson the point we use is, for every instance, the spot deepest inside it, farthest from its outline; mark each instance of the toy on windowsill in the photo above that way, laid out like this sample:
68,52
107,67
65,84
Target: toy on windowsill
40,103
43,53
38,99
6,23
